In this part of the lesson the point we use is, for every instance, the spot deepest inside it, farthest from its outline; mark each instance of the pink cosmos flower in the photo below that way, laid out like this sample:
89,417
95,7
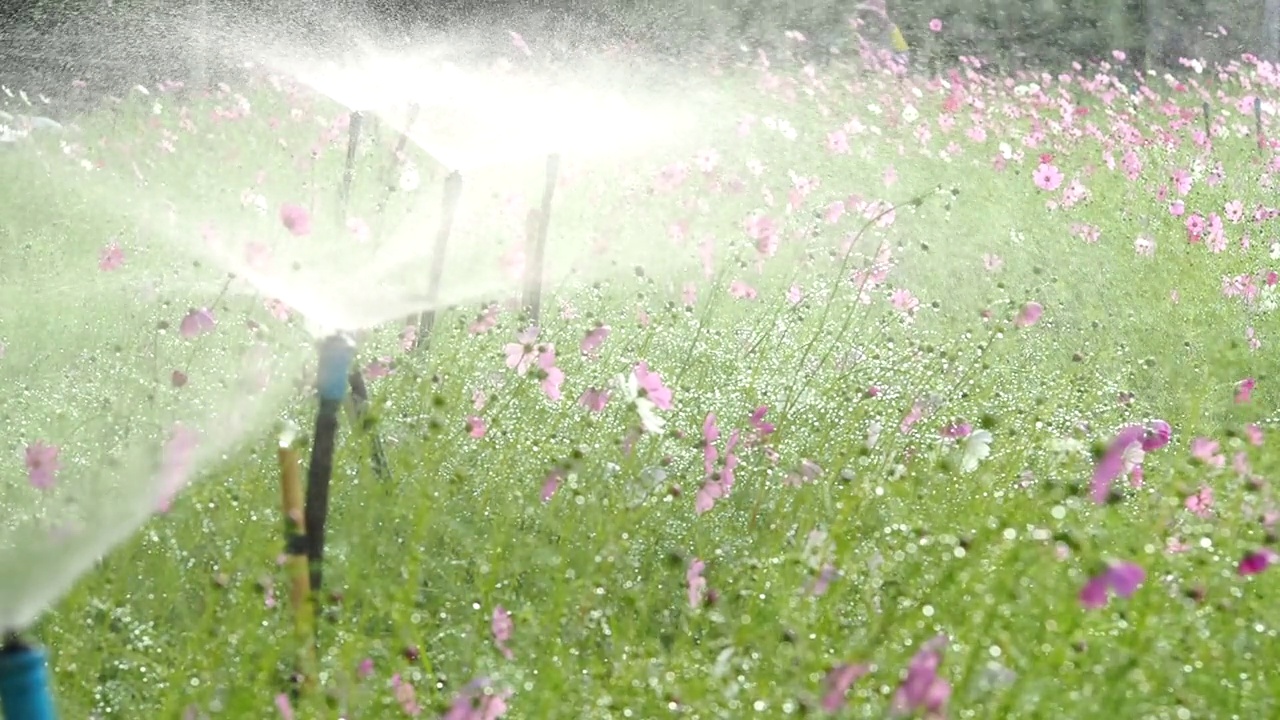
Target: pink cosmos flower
1244,390
551,377
923,689
295,219
1256,561
42,465
594,399
1206,450
837,683
405,696
1122,578
478,701
522,354
593,339
502,628
111,258
1029,315
1201,503
697,584
1112,463
652,387
1047,177
196,322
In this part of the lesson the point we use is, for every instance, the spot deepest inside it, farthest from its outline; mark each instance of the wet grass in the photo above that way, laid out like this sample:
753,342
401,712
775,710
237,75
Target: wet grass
190,616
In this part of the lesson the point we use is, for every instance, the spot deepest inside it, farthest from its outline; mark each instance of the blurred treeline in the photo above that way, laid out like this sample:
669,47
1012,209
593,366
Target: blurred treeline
1007,33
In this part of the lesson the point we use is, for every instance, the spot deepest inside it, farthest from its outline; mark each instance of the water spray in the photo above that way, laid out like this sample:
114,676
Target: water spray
24,682
540,221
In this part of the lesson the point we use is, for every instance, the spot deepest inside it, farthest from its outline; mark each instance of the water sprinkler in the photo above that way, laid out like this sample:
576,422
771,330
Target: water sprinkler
538,227
24,682
336,355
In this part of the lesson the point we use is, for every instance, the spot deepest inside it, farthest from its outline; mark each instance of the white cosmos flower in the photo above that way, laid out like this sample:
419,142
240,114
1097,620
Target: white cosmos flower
648,412
977,447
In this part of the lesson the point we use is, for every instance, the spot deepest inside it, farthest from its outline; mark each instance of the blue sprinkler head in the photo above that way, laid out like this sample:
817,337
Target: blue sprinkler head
24,683
337,352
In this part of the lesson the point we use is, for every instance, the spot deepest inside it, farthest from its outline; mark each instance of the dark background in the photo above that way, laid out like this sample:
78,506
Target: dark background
43,43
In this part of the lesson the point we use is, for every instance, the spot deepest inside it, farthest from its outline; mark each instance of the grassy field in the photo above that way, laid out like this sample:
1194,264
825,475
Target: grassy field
911,317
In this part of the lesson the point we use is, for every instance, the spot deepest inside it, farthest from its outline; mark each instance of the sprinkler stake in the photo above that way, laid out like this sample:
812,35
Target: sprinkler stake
539,223
354,128
295,548
452,195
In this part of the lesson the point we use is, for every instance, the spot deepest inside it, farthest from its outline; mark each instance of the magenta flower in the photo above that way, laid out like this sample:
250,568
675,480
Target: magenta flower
825,576
838,681
485,321
1029,315
1257,561
476,427
1206,450
923,690
284,707
1122,578
502,628
478,701
1112,464
593,399
757,421
42,465
296,219
1047,177
551,483
405,696
697,583
651,386
716,484
550,376
593,339
196,322
111,258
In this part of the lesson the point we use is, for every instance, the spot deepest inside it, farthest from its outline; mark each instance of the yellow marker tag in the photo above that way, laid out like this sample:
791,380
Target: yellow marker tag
896,40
